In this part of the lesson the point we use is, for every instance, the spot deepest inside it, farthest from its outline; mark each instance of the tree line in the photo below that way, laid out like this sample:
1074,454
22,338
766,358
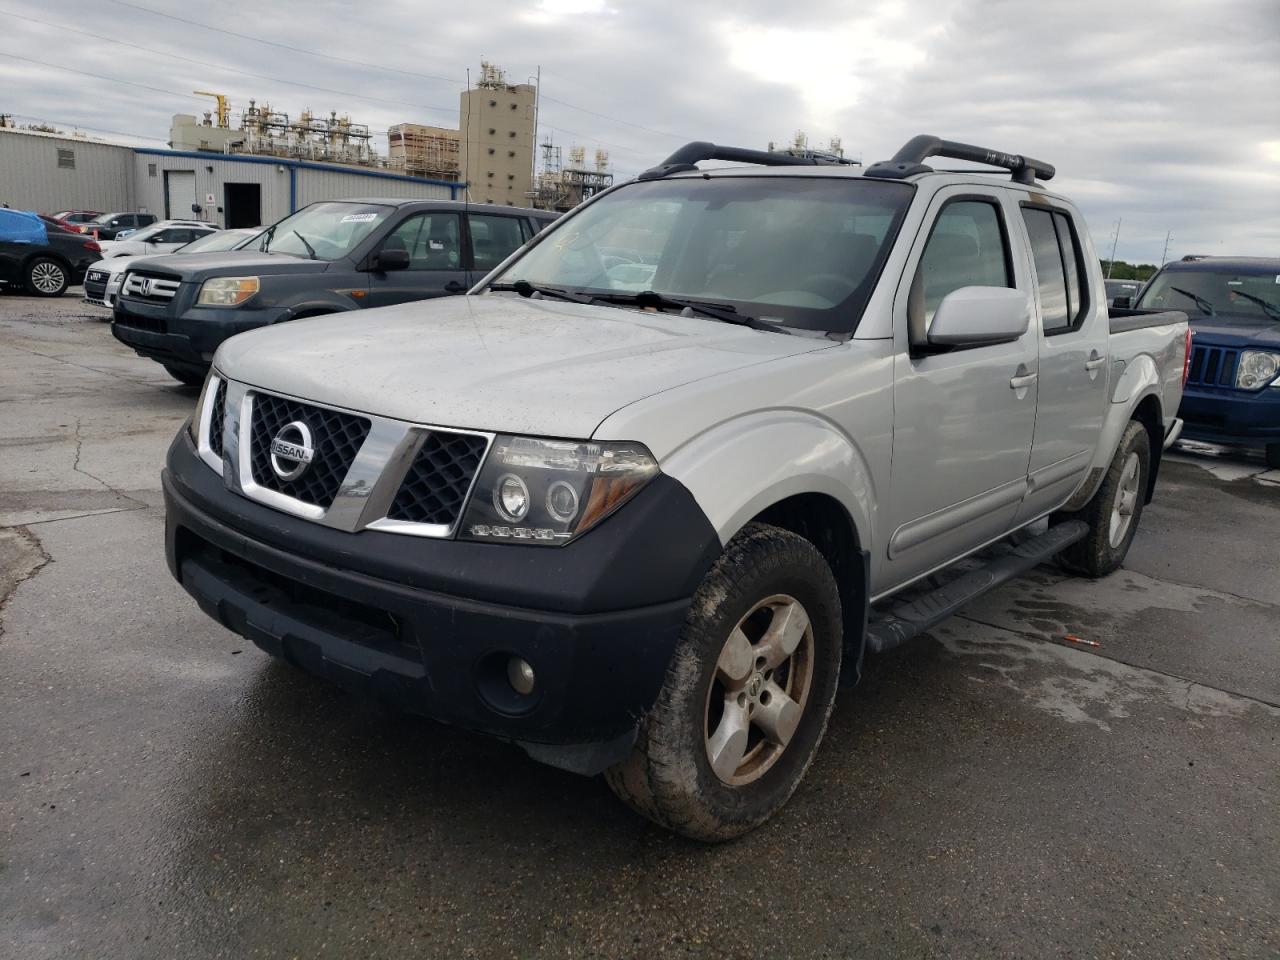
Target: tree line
1129,271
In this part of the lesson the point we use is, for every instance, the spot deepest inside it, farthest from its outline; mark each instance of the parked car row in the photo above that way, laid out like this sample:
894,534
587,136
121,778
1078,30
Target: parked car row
329,257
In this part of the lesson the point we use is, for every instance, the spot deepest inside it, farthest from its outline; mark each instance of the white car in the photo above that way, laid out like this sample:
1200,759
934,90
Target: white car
102,281
162,237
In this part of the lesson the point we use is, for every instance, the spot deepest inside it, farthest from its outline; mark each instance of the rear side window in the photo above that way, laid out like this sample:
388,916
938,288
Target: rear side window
966,248
493,239
431,240
1059,272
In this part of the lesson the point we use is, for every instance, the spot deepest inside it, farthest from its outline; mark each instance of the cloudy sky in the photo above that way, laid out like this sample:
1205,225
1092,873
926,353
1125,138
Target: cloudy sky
1163,116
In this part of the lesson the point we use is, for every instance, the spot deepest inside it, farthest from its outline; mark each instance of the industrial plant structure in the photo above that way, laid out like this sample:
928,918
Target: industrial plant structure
492,149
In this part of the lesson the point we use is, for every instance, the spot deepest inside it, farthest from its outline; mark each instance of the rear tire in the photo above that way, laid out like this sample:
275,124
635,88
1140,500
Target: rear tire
1273,456
46,277
1116,508
188,375
760,652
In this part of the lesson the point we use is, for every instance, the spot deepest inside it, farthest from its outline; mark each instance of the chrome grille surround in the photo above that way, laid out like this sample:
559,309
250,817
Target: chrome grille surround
369,487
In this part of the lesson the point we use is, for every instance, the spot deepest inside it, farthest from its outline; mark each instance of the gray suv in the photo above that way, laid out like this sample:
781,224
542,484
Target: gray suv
329,257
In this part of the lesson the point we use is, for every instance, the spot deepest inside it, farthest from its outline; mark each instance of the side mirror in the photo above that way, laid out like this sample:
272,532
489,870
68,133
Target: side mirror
392,260
979,316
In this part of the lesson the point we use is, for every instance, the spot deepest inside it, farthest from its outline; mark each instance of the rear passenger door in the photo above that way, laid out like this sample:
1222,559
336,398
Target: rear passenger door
1073,357
494,237
434,243
963,418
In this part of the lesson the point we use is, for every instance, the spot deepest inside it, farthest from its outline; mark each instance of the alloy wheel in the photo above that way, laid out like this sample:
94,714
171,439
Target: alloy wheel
759,691
1126,500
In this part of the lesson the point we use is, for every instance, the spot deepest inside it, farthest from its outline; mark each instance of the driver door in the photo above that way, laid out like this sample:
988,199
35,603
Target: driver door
434,244
963,418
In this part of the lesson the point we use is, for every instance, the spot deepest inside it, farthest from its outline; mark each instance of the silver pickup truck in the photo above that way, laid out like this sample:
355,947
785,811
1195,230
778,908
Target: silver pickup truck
632,501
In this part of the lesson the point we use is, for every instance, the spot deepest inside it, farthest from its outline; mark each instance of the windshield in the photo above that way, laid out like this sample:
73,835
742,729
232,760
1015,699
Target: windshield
1210,293
221,240
801,251
323,231
142,233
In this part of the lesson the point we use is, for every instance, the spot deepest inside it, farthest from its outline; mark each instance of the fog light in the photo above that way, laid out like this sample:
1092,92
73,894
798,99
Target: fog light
520,676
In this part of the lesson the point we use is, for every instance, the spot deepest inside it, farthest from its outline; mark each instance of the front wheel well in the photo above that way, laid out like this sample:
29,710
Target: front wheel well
825,523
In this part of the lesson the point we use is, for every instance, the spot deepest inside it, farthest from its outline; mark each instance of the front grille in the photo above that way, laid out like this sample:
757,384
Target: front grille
437,483
154,287
150,324
1213,366
335,437
215,418
98,276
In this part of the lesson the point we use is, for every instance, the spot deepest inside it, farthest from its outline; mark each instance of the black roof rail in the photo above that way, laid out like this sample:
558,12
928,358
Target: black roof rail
687,157
909,160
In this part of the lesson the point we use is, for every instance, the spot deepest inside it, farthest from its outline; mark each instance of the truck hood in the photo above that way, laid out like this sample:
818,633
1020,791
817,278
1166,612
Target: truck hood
1237,331
239,263
499,363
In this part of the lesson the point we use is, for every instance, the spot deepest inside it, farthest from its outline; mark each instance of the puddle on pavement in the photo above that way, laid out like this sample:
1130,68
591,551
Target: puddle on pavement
1079,687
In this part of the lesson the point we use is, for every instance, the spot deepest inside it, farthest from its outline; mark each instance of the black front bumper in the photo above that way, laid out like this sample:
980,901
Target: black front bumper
385,614
178,334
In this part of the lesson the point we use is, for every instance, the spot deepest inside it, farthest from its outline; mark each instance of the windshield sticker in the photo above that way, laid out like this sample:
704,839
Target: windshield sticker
436,244
359,217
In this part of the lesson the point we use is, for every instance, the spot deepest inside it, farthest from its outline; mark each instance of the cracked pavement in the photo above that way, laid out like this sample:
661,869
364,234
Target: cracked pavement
989,790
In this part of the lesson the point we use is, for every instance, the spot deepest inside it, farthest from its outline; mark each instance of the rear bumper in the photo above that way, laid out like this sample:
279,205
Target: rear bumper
1231,416
344,607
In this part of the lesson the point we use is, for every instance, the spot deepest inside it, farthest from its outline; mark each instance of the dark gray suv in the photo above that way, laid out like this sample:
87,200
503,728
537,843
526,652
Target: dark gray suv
329,257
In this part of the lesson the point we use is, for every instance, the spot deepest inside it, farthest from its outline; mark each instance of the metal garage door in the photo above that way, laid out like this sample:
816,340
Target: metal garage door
179,194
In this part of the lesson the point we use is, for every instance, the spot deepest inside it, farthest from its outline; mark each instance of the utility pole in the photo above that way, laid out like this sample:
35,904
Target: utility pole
1115,240
1164,257
537,107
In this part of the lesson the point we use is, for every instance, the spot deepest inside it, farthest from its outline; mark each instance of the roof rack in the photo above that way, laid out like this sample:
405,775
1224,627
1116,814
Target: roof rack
909,160
687,157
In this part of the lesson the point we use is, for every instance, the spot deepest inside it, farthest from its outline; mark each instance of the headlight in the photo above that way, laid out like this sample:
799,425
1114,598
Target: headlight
1256,368
226,291
197,418
547,492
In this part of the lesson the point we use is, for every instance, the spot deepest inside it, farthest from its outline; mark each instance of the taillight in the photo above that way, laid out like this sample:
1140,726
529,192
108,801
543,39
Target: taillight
92,246
1186,359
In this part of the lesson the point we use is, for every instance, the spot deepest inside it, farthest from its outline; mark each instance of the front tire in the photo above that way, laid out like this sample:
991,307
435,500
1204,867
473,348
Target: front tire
46,277
747,694
1116,508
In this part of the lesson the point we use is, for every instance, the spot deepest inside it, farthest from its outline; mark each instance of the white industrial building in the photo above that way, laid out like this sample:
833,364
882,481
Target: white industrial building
50,172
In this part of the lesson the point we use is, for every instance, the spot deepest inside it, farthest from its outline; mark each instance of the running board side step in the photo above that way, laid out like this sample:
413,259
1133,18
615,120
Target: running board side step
910,619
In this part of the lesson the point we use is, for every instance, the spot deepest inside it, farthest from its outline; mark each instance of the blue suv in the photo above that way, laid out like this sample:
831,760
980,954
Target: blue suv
1232,394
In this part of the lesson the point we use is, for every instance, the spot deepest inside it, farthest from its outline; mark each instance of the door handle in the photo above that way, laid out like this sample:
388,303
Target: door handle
453,286
1022,381
1094,361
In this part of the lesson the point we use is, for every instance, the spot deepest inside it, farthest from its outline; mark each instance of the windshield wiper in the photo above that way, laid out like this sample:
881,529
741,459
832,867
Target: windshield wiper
527,289
271,234
722,312
311,251
1272,310
1201,302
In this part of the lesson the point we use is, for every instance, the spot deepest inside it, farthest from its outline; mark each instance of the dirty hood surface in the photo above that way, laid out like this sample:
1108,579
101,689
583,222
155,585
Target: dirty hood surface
499,363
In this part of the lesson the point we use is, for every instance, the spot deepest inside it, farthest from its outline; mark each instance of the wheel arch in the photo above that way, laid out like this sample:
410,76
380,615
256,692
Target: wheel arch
823,521
1148,413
